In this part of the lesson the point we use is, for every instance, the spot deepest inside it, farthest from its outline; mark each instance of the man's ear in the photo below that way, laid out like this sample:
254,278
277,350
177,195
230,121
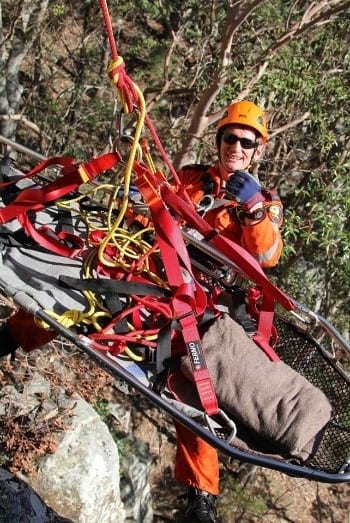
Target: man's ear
259,151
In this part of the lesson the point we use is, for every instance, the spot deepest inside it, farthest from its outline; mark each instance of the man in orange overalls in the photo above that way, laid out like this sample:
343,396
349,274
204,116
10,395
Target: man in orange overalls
251,217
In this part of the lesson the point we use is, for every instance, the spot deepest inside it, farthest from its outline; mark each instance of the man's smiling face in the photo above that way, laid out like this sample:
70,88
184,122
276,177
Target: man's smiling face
235,154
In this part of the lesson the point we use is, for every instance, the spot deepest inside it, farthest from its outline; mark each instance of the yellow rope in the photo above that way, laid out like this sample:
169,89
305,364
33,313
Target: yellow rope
114,246
127,179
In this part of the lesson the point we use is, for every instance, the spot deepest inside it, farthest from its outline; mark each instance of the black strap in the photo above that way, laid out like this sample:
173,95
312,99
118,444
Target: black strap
112,289
165,362
18,239
208,183
103,286
239,310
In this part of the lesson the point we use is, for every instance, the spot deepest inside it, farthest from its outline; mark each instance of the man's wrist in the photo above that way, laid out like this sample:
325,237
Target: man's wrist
255,199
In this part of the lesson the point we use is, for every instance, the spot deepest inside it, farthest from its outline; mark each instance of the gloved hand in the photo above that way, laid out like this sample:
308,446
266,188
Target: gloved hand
245,189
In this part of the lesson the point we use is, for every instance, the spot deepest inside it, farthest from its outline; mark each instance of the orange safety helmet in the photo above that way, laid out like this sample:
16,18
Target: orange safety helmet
246,113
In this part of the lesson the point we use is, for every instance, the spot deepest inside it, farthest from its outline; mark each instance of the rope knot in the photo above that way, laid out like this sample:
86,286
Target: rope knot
116,70
127,90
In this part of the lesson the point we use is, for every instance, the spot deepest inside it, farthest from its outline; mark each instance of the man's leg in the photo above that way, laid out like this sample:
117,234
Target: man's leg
20,330
197,467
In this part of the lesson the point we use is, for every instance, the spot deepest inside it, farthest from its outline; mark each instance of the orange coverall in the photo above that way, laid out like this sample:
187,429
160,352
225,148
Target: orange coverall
197,462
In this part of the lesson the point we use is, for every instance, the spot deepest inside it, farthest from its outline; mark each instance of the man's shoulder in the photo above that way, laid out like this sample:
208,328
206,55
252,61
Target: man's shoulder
271,195
193,173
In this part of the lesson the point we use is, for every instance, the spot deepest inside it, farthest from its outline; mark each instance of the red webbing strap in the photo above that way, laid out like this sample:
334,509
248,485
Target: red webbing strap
243,260
17,206
263,335
62,243
200,371
189,299
60,161
73,175
249,266
35,199
255,298
185,306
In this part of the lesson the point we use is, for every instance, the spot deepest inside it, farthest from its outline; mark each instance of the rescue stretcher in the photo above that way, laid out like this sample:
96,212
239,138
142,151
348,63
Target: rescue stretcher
32,276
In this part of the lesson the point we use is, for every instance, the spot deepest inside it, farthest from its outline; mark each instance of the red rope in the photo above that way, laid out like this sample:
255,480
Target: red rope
126,85
109,29
162,151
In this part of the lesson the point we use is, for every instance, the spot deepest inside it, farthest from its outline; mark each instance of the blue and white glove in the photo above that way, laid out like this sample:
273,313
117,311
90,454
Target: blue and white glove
244,189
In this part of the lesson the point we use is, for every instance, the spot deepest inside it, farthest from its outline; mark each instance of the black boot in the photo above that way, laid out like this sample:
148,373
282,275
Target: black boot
201,506
7,344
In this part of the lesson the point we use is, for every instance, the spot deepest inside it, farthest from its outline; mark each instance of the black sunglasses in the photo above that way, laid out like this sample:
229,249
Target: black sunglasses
231,139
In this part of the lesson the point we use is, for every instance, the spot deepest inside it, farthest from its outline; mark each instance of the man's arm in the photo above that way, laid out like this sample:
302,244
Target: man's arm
263,238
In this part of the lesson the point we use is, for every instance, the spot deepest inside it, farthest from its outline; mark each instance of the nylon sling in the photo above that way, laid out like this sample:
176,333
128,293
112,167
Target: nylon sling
189,300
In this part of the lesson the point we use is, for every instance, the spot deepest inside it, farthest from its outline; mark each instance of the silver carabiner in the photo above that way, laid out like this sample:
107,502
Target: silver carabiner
206,203
214,425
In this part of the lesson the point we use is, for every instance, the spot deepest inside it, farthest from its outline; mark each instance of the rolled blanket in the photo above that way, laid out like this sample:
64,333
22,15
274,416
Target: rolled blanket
269,398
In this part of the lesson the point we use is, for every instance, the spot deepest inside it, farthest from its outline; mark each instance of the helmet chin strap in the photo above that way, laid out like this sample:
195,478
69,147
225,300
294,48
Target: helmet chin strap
252,158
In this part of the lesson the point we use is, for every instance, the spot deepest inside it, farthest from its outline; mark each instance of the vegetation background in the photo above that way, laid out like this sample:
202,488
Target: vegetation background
190,59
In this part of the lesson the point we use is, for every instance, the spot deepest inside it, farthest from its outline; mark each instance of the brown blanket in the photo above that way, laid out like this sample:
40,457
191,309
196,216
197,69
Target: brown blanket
271,399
